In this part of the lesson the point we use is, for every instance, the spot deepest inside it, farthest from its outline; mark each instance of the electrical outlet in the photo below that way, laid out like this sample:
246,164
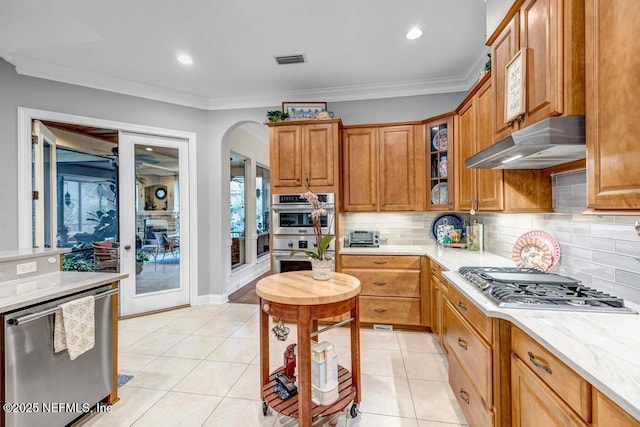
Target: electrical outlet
27,267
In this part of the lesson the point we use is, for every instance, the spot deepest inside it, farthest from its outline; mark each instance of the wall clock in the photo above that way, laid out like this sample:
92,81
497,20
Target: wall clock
161,193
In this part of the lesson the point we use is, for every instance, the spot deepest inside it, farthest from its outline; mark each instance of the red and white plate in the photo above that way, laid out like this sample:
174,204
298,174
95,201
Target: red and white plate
536,249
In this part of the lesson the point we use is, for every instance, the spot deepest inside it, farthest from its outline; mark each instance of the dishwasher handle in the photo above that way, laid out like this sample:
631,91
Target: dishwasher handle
35,316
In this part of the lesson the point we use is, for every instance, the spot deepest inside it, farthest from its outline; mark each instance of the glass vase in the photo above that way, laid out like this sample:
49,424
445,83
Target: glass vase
321,268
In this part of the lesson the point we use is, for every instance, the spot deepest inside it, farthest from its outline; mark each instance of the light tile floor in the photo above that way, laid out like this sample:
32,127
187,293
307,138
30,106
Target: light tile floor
199,366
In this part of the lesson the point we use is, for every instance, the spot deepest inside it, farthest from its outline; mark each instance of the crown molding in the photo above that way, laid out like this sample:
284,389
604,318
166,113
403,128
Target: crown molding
39,69
34,68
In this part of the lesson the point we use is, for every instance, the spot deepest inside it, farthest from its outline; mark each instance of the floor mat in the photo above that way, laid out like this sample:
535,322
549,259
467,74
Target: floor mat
123,379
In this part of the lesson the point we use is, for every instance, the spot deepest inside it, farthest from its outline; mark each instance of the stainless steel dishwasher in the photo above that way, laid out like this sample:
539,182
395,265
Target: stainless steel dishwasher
48,388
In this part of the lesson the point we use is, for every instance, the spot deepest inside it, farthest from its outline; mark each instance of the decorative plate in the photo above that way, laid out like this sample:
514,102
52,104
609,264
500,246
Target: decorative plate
453,219
536,249
443,140
440,194
434,142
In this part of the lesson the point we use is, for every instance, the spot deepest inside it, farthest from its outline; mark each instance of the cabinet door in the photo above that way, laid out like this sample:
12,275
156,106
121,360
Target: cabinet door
286,156
360,169
466,136
534,404
541,23
613,87
319,154
441,164
607,413
490,196
397,168
502,52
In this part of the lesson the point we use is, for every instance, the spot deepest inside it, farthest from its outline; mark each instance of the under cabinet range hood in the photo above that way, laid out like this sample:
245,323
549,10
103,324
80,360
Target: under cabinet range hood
550,142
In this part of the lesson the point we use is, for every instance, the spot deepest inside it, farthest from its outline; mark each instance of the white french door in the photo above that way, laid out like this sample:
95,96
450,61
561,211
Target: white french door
154,222
44,189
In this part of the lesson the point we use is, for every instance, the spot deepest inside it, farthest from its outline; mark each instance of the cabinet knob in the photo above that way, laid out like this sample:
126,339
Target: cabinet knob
464,396
462,306
462,343
379,283
538,364
379,310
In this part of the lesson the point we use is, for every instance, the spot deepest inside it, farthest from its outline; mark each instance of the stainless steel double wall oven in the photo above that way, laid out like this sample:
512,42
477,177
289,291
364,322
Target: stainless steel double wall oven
293,229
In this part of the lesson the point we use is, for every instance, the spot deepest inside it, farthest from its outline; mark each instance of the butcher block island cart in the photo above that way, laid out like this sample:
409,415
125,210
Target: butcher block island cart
298,297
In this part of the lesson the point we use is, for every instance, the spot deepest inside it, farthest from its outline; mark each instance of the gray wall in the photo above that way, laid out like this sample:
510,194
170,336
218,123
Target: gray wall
21,91
496,10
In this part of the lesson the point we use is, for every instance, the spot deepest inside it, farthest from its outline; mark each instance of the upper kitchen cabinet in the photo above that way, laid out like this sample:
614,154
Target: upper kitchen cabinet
439,152
379,165
613,87
478,189
550,34
301,151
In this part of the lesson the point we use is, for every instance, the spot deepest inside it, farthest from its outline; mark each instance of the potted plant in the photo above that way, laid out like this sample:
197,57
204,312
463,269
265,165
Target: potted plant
141,257
321,265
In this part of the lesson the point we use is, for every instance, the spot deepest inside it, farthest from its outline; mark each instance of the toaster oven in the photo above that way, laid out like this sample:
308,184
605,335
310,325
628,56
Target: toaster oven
363,238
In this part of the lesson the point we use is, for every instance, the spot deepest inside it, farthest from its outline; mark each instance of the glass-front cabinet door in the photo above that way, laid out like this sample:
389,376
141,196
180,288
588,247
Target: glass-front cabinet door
439,134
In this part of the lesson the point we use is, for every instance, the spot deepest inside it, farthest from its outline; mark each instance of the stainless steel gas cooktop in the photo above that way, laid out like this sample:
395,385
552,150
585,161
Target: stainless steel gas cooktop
512,287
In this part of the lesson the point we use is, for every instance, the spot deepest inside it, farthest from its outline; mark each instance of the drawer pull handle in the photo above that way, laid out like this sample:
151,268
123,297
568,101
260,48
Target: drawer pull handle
379,262
462,343
379,310
537,364
462,306
379,283
464,396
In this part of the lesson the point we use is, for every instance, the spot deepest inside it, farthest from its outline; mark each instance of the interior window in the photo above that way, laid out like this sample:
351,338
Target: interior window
262,209
238,214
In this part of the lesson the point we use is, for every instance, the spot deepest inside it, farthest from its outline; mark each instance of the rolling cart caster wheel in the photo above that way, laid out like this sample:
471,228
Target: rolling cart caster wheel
265,408
354,410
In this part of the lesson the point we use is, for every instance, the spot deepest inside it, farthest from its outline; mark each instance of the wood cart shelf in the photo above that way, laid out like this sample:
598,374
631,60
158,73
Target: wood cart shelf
296,296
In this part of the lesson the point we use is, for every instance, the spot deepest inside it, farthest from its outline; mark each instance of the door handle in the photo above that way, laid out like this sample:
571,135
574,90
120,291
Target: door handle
127,247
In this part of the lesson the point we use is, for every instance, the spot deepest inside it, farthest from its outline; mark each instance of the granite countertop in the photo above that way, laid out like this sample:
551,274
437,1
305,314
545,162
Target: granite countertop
26,291
604,348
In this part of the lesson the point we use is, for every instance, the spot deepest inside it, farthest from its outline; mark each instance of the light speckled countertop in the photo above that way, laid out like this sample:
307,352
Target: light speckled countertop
21,292
604,348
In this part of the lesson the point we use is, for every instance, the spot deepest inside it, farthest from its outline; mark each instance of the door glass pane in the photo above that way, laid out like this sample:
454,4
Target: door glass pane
47,197
238,224
157,219
263,199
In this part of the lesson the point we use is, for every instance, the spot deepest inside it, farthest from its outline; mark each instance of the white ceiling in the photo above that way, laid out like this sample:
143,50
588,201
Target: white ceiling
355,49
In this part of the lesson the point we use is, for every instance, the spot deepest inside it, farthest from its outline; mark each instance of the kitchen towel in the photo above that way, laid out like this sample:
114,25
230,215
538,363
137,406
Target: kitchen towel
74,327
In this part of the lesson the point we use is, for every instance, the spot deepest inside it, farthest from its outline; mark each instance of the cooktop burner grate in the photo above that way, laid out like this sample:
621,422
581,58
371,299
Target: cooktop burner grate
528,288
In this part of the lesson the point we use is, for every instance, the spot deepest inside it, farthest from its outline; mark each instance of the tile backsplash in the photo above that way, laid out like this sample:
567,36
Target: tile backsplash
599,250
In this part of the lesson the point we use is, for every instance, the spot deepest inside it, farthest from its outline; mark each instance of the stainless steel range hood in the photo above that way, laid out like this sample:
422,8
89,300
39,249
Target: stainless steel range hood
551,142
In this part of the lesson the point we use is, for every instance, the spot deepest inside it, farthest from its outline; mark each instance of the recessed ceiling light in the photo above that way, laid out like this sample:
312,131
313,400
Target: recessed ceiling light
149,149
185,59
414,33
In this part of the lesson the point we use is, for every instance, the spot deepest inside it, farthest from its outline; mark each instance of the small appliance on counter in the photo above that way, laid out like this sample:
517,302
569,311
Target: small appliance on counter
363,239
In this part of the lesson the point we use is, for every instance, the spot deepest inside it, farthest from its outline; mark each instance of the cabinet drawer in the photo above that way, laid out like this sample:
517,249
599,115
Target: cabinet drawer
474,410
390,310
471,351
571,388
436,270
471,313
399,283
380,261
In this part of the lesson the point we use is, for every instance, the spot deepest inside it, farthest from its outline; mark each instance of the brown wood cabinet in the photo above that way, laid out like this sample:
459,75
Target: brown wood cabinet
606,413
479,189
438,290
392,288
301,151
613,87
440,162
552,32
534,403
379,168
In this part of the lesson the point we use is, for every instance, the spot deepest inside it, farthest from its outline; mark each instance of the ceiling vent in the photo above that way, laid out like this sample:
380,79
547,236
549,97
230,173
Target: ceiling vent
290,59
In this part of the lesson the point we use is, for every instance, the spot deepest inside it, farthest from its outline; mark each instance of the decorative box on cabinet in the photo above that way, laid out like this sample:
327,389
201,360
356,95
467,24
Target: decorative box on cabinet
305,150
379,167
439,162
612,88
392,287
552,31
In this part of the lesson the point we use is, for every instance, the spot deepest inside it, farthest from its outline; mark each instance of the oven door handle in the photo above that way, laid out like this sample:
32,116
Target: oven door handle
16,321
300,208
